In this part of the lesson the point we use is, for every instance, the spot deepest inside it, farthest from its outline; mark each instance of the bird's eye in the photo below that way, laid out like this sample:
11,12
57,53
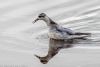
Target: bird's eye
41,16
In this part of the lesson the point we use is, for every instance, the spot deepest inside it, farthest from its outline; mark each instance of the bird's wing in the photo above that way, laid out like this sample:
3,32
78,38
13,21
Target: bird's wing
76,36
69,31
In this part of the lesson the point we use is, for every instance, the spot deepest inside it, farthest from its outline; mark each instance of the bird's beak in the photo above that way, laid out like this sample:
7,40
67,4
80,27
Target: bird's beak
35,20
37,56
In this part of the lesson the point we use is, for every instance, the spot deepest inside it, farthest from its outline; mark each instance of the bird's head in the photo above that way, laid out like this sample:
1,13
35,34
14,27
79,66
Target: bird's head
41,16
45,18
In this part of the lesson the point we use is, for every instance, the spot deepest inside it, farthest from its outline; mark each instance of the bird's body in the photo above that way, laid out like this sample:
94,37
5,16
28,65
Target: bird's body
58,32
63,33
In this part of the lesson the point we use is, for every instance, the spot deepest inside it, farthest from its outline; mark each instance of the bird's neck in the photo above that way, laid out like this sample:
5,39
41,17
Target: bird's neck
50,23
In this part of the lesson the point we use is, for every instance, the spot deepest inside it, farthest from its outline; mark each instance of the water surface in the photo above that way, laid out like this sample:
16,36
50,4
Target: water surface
20,39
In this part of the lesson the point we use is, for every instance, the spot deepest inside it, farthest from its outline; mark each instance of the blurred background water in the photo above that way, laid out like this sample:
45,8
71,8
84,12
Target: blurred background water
20,39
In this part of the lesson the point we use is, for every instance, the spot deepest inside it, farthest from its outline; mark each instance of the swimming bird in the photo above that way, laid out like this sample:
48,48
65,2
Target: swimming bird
58,32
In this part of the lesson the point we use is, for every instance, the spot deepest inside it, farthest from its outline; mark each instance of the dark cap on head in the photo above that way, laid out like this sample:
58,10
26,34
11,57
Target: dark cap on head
42,15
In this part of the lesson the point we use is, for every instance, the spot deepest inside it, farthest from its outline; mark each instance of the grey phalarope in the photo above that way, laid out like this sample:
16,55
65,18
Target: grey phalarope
58,32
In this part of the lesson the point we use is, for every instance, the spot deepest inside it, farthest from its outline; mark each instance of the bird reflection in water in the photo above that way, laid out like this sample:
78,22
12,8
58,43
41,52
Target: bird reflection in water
54,47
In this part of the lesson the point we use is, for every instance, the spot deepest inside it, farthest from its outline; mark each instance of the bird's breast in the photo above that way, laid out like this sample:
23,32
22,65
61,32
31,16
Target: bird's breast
53,35
56,35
